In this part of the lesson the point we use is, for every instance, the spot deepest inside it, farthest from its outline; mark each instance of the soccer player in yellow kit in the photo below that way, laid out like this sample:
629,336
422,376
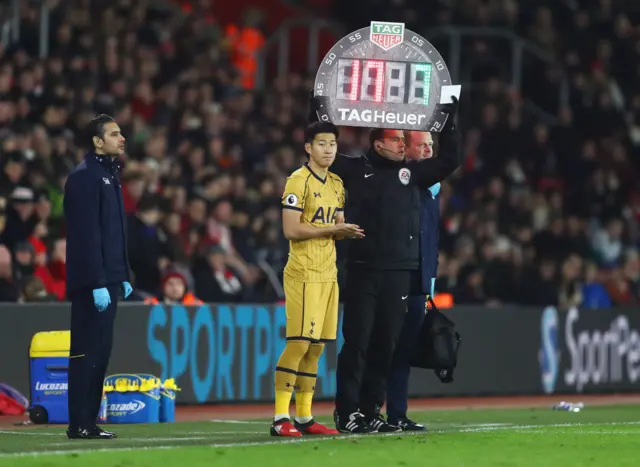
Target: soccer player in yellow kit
312,219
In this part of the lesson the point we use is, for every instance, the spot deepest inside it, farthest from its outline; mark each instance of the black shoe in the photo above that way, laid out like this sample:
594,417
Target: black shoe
407,424
378,424
353,423
104,434
94,433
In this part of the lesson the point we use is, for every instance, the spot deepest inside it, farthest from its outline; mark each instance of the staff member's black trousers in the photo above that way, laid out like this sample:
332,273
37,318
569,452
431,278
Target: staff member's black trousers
91,342
374,309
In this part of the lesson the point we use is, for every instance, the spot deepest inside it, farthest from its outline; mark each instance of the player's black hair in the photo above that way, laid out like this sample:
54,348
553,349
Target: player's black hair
319,127
375,135
96,128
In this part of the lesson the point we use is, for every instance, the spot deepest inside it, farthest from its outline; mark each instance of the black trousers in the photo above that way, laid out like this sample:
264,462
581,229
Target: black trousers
398,385
91,343
374,309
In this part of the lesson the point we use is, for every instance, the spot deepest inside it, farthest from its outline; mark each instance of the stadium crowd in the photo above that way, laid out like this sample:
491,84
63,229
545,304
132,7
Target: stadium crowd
541,213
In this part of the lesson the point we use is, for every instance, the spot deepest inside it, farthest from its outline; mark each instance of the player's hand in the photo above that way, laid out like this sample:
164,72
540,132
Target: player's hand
450,109
348,231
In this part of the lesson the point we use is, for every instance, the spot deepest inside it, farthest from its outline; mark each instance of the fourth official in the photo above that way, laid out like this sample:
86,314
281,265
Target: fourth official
383,192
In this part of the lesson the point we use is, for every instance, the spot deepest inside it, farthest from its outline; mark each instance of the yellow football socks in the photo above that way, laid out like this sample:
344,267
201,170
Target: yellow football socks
283,401
286,374
306,382
303,406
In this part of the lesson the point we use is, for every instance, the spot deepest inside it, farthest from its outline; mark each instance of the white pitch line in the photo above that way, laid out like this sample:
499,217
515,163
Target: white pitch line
213,433
239,422
178,434
214,445
514,428
555,425
477,425
135,440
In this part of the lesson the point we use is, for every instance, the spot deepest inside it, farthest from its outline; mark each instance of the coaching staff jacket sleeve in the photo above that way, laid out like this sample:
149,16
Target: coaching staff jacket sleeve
429,235
96,226
383,198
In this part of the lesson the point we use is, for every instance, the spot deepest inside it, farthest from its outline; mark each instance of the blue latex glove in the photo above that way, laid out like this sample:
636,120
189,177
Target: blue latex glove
435,189
126,289
433,286
101,298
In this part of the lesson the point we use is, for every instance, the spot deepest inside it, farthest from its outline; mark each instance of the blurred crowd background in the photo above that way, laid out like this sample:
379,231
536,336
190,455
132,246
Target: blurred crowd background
545,210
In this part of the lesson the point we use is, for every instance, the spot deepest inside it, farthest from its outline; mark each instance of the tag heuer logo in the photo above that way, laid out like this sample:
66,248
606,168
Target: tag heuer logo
386,35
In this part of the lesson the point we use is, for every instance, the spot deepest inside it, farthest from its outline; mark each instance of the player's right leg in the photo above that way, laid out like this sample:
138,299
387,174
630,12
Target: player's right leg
324,322
286,371
361,297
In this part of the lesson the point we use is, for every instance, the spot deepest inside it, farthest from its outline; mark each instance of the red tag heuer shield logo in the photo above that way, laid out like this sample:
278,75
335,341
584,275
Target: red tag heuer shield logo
386,35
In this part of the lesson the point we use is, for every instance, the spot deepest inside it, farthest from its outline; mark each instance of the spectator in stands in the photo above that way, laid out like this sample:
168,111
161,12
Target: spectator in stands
594,294
24,262
545,179
619,289
14,172
214,279
3,219
175,291
148,253
570,290
607,243
53,286
21,217
9,292
33,290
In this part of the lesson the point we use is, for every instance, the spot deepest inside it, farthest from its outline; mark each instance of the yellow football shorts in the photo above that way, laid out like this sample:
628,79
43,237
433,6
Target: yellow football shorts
312,310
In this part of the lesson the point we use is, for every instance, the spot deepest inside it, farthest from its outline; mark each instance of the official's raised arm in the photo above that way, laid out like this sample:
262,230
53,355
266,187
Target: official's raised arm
427,172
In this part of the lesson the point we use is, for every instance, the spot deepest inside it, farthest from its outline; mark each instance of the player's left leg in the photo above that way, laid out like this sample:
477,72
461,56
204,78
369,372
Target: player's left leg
325,295
398,384
286,371
390,314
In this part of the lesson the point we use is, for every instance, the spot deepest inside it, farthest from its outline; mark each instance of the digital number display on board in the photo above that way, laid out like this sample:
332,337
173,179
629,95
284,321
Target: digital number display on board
382,76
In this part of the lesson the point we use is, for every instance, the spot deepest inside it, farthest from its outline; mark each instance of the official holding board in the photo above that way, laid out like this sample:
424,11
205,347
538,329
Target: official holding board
391,79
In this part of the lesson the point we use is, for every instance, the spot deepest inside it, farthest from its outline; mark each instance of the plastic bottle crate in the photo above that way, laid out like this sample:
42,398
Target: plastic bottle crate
132,399
168,401
49,377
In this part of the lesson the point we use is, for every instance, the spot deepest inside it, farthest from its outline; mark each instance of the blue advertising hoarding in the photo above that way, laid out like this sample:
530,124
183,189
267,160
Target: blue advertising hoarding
226,353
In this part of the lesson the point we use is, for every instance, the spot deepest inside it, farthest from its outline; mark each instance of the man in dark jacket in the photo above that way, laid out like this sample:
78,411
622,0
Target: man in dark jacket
97,270
383,198
419,147
146,247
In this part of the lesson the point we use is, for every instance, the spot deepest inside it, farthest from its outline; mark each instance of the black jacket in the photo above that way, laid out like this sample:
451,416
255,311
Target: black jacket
96,226
383,198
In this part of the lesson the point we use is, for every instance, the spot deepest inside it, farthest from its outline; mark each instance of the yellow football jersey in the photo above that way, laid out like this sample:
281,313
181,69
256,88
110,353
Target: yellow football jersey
319,201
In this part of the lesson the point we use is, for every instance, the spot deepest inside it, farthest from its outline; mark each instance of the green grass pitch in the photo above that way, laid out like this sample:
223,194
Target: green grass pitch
597,436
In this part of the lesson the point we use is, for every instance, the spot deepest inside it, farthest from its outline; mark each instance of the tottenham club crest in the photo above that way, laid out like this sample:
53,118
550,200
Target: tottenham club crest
404,175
